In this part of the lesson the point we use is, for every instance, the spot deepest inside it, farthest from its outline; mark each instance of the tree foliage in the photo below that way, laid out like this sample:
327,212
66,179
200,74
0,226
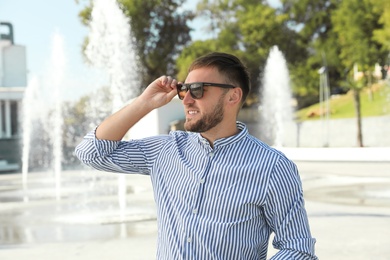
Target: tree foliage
161,32
310,33
382,35
248,29
354,22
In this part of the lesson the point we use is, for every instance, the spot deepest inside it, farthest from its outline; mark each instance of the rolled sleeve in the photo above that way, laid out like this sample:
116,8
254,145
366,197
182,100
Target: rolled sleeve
134,156
287,216
97,153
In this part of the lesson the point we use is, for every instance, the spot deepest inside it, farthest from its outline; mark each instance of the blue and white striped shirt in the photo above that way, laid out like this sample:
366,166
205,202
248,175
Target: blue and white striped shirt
214,203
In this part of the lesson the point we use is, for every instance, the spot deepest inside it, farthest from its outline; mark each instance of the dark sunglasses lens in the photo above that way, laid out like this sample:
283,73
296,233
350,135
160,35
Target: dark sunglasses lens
181,90
196,90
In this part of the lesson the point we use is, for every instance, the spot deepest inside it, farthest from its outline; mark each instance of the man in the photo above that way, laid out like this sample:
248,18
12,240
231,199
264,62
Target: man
219,191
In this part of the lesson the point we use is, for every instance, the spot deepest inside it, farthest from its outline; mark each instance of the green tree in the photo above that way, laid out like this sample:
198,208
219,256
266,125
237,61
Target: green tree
161,32
354,22
248,29
312,21
190,53
382,35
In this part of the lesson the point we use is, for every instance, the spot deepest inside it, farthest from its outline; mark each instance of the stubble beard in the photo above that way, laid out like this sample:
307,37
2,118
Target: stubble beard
208,121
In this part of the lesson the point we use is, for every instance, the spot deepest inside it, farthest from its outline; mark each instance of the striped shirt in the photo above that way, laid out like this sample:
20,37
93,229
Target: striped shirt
214,203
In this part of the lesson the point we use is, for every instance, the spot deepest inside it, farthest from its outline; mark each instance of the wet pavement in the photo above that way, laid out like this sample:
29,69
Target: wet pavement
348,204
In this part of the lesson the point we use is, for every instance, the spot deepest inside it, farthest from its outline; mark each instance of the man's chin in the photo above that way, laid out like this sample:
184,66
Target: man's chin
190,126
187,125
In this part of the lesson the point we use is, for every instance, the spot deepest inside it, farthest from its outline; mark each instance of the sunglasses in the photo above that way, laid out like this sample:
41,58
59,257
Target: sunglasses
196,88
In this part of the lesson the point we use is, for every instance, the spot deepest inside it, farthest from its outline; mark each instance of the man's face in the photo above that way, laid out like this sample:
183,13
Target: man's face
207,112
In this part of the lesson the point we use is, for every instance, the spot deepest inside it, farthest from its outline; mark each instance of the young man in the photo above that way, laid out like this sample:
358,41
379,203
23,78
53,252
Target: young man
219,191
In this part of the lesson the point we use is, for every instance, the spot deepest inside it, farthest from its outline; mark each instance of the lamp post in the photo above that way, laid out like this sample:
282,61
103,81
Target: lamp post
324,104
10,35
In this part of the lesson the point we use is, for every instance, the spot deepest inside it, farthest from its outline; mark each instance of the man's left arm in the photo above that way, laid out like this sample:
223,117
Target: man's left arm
286,213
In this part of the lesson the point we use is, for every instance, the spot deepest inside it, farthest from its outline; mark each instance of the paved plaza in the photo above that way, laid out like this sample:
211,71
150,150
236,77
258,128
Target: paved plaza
348,204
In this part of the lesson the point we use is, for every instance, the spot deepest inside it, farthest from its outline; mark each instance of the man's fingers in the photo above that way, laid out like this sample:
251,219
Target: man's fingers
173,83
168,81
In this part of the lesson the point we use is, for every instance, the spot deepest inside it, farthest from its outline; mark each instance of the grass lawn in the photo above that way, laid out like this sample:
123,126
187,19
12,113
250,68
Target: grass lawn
374,102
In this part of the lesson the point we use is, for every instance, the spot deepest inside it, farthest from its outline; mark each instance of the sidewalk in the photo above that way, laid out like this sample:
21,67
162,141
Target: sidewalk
349,208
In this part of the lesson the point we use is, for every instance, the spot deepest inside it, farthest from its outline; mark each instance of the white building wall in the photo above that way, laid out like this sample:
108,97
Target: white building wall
2,45
14,67
334,133
158,121
13,82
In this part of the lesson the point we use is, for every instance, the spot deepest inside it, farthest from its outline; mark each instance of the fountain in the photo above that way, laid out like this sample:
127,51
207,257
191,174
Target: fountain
59,62
27,124
42,106
276,99
61,204
111,49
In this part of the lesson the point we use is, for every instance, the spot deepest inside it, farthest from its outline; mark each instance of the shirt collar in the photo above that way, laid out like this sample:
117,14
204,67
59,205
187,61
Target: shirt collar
243,132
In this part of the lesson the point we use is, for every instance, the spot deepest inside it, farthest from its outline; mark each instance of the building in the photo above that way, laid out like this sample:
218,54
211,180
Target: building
13,82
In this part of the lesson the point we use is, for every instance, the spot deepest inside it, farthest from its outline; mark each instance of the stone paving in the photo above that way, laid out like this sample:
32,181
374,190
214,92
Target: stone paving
348,204
349,208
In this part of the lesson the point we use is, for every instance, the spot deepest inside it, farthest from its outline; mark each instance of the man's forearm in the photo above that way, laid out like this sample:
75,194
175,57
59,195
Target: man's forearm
116,126
157,94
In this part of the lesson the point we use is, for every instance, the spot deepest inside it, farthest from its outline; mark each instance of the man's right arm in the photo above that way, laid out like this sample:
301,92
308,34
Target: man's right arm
157,94
97,148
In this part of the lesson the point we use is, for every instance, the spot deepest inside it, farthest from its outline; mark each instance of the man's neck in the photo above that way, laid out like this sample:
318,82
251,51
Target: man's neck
220,131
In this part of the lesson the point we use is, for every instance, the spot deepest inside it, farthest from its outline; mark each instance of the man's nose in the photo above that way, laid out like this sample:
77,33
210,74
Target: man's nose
188,98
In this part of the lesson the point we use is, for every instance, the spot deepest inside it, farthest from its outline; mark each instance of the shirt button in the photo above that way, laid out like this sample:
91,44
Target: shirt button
201,181
195,211
211,154
189,239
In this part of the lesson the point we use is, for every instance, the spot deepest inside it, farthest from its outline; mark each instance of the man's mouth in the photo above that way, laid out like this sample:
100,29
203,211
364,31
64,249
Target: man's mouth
192,112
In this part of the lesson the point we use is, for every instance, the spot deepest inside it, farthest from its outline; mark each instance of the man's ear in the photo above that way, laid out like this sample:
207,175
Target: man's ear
235,95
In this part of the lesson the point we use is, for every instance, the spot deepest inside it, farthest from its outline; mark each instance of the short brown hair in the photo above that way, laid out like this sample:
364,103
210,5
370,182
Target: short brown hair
228,65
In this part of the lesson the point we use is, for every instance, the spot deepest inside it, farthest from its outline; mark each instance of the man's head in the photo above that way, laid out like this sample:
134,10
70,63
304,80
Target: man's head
232,69
214,91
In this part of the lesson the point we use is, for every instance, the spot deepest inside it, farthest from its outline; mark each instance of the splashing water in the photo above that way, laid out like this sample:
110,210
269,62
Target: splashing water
276,109
111,49
28,100
43,118
59,62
